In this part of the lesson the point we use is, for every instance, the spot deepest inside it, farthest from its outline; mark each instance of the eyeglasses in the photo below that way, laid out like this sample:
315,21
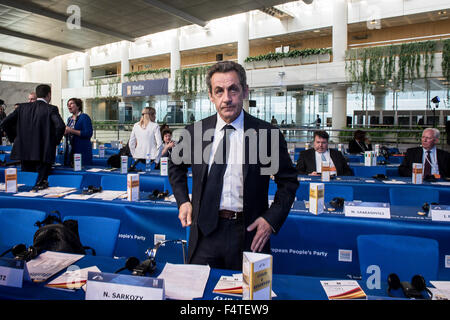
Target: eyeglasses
145,113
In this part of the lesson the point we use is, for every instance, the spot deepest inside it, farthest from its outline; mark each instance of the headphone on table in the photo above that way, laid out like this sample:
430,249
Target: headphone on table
91,190
149,265
337,203
20,252
410,290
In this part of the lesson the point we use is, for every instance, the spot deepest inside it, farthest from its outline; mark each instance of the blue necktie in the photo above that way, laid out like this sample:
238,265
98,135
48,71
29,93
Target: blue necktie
212,191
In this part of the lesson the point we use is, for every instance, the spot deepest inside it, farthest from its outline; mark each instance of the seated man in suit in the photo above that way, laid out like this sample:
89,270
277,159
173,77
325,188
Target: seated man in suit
359,143
310,161
435,161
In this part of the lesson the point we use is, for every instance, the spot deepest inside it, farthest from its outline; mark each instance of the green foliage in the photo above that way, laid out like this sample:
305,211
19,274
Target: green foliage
446,59
394,64
132,76
190,80
275,56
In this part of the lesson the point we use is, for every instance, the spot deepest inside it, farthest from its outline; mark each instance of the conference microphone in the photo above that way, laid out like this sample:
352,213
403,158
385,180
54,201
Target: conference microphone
149,265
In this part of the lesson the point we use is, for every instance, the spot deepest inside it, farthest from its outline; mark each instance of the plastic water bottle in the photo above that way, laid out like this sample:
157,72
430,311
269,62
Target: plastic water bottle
148,166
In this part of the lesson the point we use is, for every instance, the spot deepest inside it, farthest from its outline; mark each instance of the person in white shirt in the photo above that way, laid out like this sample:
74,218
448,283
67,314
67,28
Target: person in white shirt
310,161
146,137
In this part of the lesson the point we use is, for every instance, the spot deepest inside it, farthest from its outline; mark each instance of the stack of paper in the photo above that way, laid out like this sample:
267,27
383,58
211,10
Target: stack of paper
184,281
441,290
109,195
74,278
231,286
343,290
48,264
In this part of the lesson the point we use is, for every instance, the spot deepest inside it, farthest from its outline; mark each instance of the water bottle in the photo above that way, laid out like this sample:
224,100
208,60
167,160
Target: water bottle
148,166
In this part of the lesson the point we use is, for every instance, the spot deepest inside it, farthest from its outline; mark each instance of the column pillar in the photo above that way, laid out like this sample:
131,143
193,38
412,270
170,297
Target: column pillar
299,108
175,59
339,111
124,60
340,37
243,45
380,98
87,68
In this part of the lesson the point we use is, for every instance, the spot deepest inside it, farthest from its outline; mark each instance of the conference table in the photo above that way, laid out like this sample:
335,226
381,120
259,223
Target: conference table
307,244
286,287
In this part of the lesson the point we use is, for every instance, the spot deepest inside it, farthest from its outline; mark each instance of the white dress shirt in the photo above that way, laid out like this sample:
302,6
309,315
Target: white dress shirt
143,141
319,161
232,197
433,157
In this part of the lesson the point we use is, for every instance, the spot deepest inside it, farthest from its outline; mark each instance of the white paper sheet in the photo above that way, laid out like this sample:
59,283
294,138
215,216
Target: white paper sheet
184,281
49,263
442,290
109,195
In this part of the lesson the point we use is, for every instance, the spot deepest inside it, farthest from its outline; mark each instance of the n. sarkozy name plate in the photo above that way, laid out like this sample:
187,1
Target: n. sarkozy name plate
11,272
111,286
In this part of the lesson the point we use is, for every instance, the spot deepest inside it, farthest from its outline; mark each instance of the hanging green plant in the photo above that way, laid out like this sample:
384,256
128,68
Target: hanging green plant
189,81
374,66
446,59
275,56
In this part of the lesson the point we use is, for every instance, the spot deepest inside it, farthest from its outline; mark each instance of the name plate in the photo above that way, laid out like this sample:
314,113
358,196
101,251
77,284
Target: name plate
378,210
440,213
112,286
77,162
11,272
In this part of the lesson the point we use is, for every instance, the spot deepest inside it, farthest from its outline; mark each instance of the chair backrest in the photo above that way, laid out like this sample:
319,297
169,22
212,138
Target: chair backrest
99,233
404,255
368,171
17,225
65,180
413,196
333,191
114,182
27,178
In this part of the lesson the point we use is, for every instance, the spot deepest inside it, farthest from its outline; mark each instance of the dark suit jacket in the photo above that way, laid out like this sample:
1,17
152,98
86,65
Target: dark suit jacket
306,162
414,155
81,144
36,129
256,186
355,147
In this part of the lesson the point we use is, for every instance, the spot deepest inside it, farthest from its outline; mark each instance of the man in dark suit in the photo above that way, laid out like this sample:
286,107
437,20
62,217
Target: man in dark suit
359,143
436,162
310,161
229,211
36,129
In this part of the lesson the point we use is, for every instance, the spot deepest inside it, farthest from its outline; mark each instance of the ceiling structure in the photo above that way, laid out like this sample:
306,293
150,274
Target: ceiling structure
32,30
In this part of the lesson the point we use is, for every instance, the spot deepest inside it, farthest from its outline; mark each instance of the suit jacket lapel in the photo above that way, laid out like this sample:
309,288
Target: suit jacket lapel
248,124
312,159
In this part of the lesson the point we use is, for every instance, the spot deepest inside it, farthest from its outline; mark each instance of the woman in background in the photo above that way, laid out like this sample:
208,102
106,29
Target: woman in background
146,137
78,134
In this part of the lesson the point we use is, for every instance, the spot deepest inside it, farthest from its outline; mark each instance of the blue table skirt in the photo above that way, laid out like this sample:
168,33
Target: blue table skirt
374,191
286,287
309,244
306,244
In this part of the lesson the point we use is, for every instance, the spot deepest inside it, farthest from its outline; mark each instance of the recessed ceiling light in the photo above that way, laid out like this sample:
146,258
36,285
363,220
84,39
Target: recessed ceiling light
442,12
317,31
269,38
